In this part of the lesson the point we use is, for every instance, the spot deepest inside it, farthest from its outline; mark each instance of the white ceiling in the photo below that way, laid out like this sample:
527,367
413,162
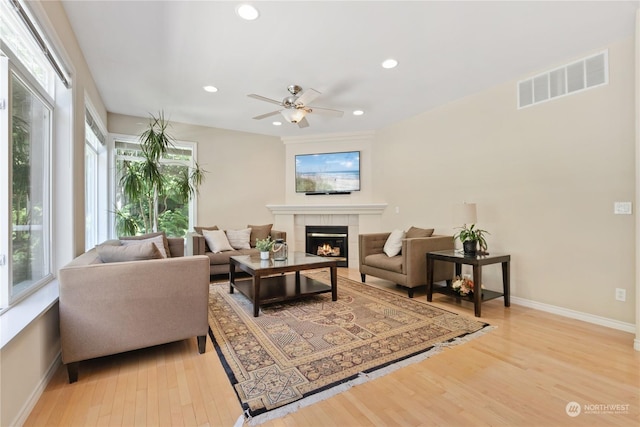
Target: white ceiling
147,56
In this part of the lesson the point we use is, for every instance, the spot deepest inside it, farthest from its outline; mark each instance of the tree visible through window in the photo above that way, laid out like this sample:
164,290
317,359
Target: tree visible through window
135,217
31,124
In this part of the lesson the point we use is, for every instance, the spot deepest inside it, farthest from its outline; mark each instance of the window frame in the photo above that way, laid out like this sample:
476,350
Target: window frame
97,147
130,139
11,66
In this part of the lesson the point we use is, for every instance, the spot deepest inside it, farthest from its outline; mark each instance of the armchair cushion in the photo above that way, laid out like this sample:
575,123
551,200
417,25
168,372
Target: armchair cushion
199,231
216,240
419,232
393,245
158,239
259,232
385,262
239,239
140,252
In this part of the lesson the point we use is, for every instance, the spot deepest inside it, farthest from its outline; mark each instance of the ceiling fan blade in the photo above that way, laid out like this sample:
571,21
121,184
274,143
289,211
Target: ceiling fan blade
327,111
307,96
264,116
303,123
263,98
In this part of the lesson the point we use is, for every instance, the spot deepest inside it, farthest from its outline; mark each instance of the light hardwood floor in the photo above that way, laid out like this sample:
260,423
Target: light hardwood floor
523,373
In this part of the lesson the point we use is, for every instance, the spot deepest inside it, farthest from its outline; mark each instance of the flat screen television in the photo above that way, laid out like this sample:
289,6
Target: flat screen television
328,173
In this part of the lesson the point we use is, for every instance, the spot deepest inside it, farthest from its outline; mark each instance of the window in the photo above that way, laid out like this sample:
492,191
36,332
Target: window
93,181
27,87
30,142
175,216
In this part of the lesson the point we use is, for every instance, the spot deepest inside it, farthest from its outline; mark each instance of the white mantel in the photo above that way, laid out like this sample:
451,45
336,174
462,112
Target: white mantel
333,209
360,218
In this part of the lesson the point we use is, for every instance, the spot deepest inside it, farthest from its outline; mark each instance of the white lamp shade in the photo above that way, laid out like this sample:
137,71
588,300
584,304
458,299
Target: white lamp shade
468,213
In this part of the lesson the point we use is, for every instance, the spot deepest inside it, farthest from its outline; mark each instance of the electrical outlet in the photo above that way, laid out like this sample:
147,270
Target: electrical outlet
621,294
622,208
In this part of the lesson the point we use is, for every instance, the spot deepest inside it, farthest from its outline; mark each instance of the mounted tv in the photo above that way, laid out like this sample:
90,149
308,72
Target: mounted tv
328,173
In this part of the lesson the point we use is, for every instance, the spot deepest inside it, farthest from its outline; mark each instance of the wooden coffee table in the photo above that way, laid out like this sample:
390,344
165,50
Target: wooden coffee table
476,261
269,283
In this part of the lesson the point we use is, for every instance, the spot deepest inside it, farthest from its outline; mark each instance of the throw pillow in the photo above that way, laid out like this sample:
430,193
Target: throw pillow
216,240
393,245
239,239
138,252
159,239
419,232
199,229
259,232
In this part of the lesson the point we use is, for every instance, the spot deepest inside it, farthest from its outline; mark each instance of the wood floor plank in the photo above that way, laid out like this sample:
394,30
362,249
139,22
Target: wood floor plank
522,373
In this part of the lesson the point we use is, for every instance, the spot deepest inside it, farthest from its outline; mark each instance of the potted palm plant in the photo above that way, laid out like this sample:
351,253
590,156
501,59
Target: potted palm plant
472,238
147,185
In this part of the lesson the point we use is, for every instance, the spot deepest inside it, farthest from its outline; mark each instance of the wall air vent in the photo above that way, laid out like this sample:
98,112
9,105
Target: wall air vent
584,74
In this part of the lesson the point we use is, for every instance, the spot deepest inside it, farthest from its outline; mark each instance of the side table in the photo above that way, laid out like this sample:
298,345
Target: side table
476,262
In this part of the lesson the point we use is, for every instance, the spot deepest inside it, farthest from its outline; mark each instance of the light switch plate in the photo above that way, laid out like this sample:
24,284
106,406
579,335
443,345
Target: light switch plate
622,208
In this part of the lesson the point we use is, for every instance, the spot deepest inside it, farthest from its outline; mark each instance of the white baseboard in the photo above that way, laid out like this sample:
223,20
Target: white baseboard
24,413
573,314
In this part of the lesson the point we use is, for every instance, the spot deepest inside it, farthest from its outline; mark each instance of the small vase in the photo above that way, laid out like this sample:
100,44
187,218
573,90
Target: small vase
264,255
470,247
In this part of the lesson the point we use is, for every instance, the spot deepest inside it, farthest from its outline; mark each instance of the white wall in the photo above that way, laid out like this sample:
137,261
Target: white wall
246,171
544,179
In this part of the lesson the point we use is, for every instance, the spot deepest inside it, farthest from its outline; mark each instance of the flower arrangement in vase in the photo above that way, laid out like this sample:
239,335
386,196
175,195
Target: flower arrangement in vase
264,246
463,286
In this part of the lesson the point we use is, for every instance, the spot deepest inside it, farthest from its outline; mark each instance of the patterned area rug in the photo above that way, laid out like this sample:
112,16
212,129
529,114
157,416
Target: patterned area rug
298,352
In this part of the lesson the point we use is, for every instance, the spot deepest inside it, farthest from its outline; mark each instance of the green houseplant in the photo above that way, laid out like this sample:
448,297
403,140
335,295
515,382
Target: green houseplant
472,238
264,246
155,189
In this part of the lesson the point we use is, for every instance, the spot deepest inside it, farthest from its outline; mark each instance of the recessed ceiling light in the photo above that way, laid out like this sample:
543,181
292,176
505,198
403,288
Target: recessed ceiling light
210,88
247,12
389,63
277,123
358,112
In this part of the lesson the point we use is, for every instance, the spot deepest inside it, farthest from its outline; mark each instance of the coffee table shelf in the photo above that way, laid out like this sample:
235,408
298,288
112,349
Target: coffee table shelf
281,288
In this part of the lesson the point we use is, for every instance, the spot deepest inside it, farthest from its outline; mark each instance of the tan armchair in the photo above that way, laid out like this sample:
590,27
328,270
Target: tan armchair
409,268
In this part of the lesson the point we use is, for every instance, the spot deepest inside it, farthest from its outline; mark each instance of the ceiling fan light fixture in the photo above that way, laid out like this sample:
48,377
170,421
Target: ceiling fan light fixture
293,115
389,63
247,12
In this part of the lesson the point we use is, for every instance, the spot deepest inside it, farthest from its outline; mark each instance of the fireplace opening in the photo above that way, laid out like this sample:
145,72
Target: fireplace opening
328,241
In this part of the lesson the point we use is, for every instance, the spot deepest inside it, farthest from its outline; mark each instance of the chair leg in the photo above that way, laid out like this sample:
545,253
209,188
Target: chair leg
410,290
72,371
362,276
202,343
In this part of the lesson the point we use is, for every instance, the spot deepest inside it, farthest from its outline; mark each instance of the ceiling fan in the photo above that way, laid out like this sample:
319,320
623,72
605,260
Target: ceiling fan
296,106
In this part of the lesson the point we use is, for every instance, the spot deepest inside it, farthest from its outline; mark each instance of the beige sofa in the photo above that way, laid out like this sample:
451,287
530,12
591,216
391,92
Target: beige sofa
109,308
409,268
219,262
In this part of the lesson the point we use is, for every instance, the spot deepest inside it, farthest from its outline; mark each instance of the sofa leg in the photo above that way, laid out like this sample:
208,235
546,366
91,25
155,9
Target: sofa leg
362,276
410,290
72,370
202,343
